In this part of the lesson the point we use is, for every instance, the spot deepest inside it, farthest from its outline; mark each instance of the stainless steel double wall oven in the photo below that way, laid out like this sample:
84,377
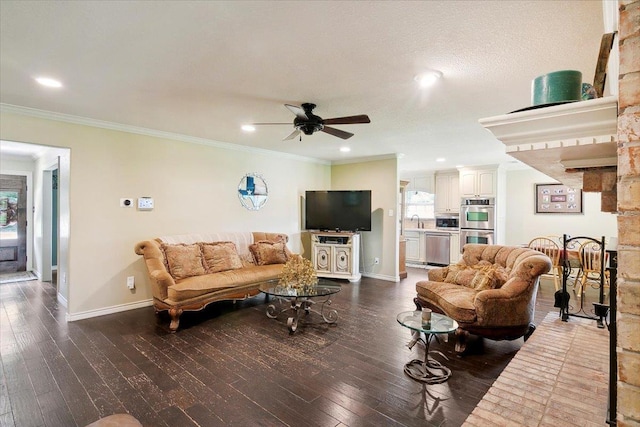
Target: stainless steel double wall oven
477,220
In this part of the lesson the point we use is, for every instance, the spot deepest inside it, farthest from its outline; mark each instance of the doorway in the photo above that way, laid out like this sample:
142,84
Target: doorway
13,223
47,210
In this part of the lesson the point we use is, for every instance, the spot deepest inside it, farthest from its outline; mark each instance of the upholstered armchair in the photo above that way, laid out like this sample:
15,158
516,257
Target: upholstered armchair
491,292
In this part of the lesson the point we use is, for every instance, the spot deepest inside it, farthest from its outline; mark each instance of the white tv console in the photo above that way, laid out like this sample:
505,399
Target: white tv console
336,255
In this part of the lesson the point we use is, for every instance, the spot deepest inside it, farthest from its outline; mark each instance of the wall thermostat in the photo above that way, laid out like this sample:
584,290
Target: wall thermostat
145,203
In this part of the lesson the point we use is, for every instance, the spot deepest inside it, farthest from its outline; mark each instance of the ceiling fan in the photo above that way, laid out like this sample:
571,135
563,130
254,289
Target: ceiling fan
308,123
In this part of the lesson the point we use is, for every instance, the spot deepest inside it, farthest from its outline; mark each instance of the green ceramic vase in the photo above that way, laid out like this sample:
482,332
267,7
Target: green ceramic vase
558,86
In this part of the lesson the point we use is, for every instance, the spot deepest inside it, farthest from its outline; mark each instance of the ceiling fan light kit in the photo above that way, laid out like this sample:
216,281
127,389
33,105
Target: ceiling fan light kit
308,123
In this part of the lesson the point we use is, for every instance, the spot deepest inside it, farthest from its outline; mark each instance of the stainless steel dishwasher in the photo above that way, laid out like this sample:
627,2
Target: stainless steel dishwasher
438,248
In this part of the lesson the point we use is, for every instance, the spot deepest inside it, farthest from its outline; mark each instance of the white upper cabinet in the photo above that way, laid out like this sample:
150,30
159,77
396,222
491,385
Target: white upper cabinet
447,193
421,183
478,183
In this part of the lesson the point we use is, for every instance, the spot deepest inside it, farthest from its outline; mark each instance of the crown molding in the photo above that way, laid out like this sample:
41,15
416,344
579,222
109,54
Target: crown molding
85,121
366,159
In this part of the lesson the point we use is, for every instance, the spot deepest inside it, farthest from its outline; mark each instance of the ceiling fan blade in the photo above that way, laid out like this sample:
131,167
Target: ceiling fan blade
337,132
349,120
298,111
293,134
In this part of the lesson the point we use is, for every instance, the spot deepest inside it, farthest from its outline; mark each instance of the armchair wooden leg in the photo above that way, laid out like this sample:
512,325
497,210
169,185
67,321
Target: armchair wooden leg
416,301
175,318
530,331
461,340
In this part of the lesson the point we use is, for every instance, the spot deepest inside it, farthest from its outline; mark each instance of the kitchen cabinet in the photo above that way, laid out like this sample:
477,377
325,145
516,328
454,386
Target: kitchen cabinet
454,248
420,183
447,193
415,247
478,183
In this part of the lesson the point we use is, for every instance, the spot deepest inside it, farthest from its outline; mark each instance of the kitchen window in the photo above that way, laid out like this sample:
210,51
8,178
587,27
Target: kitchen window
420,203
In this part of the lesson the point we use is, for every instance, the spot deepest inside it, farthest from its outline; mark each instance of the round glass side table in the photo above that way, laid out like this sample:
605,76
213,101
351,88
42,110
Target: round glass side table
429,370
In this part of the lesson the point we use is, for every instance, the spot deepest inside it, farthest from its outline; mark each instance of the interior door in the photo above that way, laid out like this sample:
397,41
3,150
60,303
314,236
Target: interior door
13,223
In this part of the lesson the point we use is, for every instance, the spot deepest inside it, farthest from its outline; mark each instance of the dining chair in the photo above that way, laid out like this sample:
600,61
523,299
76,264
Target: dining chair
573,257
551,249
592,265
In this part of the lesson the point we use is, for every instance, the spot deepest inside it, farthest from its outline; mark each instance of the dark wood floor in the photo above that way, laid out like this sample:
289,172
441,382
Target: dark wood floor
231,365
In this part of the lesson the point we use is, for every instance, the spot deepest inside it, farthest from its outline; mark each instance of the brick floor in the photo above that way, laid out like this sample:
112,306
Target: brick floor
558,378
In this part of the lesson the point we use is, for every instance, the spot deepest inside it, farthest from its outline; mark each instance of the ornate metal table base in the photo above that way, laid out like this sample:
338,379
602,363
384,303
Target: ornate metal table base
429,370
300,305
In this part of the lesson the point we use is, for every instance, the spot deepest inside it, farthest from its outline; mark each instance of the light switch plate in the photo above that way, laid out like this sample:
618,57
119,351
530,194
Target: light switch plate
145,203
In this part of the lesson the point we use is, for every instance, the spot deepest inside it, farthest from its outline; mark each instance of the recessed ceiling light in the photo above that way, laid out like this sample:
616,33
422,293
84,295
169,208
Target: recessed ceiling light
345,149
428,78
459,166
440,159
48,82
248,128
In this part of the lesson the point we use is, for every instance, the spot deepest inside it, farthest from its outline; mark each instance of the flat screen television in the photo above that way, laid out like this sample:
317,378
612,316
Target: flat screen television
338,210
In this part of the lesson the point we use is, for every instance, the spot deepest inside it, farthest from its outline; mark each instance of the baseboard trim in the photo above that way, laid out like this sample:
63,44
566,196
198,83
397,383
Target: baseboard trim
382,277
62,300
108,310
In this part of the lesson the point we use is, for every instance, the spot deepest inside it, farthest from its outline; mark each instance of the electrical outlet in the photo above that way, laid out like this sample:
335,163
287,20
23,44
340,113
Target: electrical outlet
131,282
126,202
376,260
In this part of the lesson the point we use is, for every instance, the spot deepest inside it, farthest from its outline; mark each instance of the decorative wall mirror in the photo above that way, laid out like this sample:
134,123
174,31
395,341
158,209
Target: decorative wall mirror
253,191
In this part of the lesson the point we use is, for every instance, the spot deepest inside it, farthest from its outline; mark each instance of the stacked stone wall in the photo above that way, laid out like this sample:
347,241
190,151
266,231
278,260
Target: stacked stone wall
628,199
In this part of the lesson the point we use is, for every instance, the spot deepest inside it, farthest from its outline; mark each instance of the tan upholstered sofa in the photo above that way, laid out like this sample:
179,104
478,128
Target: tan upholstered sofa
190,271
491,292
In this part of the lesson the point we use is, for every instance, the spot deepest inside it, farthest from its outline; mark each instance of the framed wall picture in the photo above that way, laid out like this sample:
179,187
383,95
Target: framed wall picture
558,198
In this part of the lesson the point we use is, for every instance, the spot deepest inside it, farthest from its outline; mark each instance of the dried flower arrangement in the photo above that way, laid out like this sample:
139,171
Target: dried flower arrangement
298,272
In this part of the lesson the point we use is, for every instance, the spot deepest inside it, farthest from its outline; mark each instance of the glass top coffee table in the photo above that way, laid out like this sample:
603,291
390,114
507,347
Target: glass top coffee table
300,300
429,370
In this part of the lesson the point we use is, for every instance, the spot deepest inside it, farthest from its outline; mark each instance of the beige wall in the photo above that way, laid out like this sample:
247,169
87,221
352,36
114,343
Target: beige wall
194,187
380,176
522,224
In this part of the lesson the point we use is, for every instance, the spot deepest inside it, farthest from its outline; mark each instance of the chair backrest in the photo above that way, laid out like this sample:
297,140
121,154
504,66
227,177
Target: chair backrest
547,247
591,259
556,238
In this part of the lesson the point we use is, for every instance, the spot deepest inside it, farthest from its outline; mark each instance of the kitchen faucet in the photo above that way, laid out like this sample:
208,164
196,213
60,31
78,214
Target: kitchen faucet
416,215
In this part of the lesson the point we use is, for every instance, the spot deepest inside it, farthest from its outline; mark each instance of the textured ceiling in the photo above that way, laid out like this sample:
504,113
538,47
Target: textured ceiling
204,68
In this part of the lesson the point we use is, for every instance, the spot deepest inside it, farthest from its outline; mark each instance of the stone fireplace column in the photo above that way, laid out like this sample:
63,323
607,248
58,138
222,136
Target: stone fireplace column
628,195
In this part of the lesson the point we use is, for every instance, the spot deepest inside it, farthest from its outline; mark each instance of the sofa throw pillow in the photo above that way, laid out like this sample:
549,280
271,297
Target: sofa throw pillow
220,256
183,260
266,252
484,278
452,272
283,239
481,276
